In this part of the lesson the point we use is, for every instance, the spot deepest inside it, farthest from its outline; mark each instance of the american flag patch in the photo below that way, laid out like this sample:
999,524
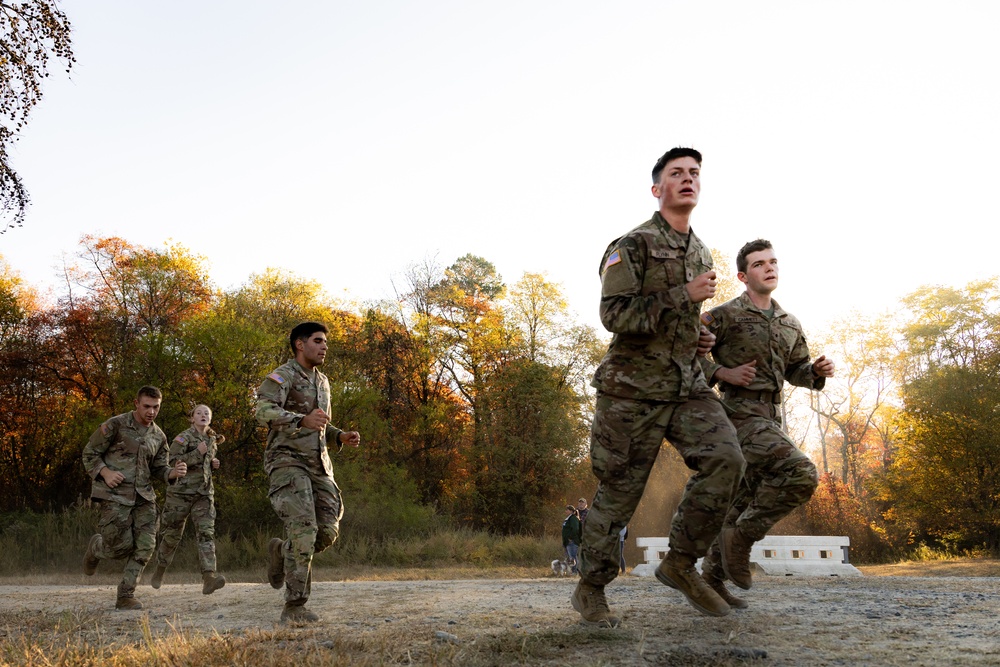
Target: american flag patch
277,378
180,439
707,318
104,428
613,259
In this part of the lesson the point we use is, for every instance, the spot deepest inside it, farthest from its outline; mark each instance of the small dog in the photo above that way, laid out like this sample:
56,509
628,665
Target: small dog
561,568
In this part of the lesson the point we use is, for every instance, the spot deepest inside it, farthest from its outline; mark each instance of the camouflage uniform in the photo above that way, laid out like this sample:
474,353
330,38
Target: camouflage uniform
127,523
779,477
302,489
192,495
650,387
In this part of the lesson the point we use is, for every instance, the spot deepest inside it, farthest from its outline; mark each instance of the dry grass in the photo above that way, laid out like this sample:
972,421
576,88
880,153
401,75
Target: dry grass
957,567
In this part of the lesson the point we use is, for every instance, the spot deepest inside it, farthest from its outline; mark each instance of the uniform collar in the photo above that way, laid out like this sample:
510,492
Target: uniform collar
750,305
674,238
302,369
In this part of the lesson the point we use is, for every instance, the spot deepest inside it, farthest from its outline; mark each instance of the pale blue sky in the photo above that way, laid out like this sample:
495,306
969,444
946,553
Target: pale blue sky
345,141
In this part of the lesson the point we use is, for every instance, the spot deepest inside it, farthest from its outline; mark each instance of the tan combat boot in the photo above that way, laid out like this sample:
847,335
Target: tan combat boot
127,603
157,579
715,577
589,600
719,586
275,563
677,571
211,582
90,560
297,613
735,548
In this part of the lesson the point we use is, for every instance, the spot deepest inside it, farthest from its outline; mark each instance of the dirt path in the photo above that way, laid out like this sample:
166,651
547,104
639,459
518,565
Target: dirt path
890,620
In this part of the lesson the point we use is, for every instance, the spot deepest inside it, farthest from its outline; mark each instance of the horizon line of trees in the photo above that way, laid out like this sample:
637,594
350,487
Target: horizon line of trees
473,396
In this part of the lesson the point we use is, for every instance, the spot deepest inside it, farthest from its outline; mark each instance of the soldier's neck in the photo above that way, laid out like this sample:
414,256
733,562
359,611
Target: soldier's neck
201,428
762,301
679,220
302,361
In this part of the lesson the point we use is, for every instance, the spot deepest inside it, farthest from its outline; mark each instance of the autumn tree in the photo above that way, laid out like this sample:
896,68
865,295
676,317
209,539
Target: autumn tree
943,483
32,33
529,444
549,334
119,319
854,409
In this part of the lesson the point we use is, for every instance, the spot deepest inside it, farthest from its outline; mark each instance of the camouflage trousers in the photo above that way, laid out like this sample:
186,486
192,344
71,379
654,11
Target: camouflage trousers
778,478
176,510
625,439
127,532
311,508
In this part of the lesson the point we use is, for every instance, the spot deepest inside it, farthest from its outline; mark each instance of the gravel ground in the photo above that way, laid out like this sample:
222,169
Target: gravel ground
871,620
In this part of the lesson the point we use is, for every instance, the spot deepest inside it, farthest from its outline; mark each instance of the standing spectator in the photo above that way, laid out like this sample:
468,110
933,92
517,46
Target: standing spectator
571,532
582,509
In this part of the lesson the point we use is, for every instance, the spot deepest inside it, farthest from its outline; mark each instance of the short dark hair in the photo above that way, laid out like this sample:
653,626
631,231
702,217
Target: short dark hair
752,246
152,392
673,154
303,331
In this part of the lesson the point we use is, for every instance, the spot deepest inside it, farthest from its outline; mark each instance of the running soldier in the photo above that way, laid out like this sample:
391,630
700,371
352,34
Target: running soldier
650,386
294,403
122,457
757,348
194,496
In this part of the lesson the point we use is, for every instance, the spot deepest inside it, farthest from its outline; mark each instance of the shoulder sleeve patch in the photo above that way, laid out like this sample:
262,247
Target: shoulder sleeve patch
105,428
181,439
706,318
277,378
613,259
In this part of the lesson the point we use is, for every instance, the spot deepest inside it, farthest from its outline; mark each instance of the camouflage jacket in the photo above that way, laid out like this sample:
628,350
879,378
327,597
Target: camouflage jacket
285,397
199,466
645,305
139,453
744,333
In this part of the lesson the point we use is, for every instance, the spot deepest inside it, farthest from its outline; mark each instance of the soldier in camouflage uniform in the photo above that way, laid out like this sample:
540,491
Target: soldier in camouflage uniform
758,346
650,387
294,403
193,496
122,457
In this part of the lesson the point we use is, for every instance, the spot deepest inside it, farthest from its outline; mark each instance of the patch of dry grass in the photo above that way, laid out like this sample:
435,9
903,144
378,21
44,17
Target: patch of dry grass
957,567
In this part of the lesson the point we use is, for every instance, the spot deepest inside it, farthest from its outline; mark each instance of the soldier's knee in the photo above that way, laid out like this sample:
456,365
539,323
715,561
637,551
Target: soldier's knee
727,456
800,472
326,536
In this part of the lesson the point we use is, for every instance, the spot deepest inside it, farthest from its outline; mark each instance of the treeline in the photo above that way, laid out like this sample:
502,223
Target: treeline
472,398
469,393
908,434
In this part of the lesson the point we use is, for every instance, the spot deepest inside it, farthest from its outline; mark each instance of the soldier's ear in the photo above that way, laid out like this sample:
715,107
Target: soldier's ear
742,277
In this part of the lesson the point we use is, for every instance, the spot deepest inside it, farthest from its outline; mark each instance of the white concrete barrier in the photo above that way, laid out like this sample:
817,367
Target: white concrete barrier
779,555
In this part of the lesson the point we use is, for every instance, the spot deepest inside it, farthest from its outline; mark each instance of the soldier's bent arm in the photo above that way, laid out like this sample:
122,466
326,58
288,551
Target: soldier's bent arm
799,369
624,309
270,409
333,435
179,452
713,321
160,466
97,446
